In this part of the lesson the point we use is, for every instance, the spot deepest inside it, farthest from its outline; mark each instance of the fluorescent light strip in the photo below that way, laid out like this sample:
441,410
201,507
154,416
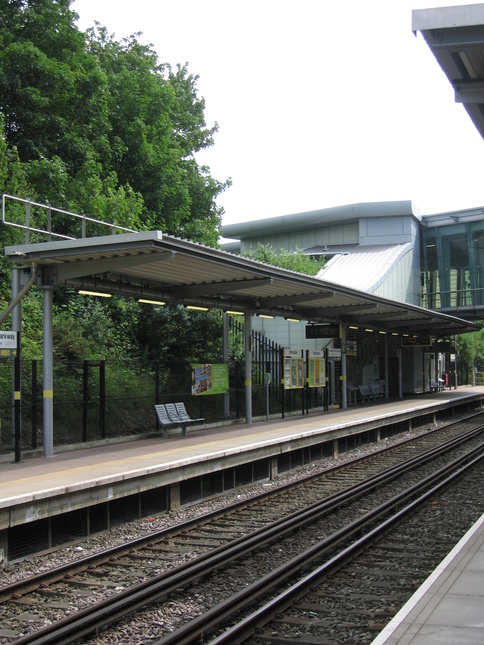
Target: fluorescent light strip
151,302
95,293
266,316
235,313
197,308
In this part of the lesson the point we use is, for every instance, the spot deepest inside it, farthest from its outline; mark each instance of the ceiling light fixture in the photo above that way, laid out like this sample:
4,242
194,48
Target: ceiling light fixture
234,313
196,308
95,293
265,316
151,302
293,320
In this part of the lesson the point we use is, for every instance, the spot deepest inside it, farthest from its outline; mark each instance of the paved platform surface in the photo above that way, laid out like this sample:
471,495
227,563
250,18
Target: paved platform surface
40,477
448,609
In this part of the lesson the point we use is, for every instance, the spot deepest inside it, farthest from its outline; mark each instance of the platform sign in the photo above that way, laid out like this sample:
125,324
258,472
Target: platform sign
416,341
8,344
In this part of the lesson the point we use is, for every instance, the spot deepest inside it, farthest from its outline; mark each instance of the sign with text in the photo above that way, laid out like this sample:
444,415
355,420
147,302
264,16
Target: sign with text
210,378
323,331
8,340
412,341
293,369
317,369
8,344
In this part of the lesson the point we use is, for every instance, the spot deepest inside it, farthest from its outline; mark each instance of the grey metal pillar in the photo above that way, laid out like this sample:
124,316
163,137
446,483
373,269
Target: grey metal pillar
344,384
400,374
16,326
248,368
48,392
386,368
225,342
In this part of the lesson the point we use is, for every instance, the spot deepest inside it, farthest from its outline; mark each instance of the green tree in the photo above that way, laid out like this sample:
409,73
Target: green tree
294,260
100,127
157,127
53,94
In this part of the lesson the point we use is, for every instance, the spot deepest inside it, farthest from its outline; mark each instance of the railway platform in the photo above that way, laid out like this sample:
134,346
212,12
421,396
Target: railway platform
95,477
448,608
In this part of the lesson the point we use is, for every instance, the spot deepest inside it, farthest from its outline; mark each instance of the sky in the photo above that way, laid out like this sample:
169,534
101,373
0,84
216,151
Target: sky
319,103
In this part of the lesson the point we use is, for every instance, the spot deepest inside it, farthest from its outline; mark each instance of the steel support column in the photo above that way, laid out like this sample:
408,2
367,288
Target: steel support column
248,368
344,384
48,392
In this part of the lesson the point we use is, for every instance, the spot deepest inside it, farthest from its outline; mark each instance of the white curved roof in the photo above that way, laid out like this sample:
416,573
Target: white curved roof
364,267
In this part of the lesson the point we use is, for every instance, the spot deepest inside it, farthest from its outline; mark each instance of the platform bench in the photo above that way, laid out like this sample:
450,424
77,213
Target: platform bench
174,415
365,393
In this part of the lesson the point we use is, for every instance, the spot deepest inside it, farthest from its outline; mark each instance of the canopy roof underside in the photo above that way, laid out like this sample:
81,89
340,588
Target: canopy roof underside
455,35
158,267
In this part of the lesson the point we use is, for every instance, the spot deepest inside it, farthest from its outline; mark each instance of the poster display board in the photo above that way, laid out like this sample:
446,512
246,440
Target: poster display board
317,369
210,378
293,369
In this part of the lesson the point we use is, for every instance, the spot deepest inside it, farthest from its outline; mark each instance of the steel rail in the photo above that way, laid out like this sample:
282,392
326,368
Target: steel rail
191,633
92,619
246,627
45,578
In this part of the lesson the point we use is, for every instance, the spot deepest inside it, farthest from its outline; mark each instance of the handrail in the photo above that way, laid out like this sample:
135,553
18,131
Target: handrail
27,226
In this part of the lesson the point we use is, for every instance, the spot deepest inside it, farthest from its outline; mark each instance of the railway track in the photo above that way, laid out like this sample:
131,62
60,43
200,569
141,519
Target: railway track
352,596
245,542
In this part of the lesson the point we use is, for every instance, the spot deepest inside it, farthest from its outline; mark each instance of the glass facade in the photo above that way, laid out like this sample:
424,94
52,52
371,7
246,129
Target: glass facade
453,266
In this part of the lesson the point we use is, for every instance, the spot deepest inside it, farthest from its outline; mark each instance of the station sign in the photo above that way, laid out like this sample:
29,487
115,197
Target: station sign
8,344
420,341
323,331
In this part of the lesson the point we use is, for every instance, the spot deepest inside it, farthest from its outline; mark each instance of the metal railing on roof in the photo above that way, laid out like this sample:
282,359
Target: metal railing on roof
38,218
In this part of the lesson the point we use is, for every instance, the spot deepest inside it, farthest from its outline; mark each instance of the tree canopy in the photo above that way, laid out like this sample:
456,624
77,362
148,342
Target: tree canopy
100,126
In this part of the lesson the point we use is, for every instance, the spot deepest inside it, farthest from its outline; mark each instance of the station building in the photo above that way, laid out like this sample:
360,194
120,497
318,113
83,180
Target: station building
391,249
394,251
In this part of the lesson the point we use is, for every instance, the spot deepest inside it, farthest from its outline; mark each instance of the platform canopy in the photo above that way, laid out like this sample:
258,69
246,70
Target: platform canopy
153,266
455,36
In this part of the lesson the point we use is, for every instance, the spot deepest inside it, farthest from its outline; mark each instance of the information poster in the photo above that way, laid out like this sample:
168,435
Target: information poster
210,378
317,369
293,369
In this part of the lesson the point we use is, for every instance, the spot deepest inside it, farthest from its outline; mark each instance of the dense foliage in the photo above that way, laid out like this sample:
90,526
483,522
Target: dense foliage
99,126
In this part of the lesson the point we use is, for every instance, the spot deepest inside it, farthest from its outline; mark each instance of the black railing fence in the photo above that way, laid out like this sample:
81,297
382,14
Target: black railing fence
97,400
